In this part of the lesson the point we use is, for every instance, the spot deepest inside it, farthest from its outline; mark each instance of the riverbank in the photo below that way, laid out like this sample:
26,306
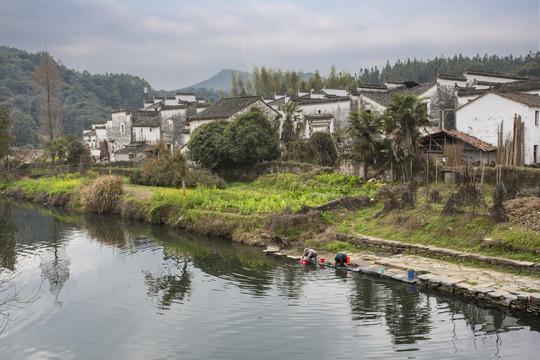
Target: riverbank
485,286
333,214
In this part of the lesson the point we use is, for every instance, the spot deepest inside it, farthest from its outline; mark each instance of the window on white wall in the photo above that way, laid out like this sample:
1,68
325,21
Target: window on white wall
537,117
122,128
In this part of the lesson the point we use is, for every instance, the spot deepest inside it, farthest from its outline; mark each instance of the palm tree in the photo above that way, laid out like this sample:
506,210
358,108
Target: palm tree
366,131
292,127
403,119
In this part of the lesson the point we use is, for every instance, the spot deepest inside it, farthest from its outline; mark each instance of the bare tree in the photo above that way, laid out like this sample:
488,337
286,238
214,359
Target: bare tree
47,85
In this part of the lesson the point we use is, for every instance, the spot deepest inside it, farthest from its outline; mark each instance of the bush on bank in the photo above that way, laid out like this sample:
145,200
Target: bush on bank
274,204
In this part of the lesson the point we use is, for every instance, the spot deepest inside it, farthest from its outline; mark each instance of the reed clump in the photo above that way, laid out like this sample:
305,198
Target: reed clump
103,194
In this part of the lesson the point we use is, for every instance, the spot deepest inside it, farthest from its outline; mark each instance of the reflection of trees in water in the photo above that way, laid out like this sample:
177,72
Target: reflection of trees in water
8,238
112,230
289,282
407,314
55,263
489,320
171,287
222,258
368,300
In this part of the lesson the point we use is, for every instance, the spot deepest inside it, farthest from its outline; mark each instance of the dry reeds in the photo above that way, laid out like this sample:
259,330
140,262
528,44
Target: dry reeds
102,195
454,154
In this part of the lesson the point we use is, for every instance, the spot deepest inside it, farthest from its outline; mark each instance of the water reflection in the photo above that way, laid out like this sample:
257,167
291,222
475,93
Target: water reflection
169,271
172,284
8,240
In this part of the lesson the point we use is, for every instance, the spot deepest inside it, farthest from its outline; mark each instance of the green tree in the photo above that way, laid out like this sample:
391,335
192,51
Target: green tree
322,148
165,168
251,138
403,119
234,85
207,146
77,153
25,129
56,148
48,86
367,132
292,128
5,132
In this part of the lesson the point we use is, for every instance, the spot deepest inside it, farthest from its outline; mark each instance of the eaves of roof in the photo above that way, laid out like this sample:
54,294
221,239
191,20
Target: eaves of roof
225,108
467,139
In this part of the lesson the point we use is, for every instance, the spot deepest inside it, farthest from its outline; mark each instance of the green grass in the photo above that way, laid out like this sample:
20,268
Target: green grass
271,194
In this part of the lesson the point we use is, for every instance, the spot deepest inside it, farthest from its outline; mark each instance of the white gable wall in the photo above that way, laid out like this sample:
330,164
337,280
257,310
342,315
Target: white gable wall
481,117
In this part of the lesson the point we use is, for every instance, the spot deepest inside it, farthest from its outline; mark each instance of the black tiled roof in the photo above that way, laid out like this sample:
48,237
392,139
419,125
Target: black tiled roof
527,99
450,77
307,101
145,118
385,98
225,108
518,86
493,74
135,148
469,91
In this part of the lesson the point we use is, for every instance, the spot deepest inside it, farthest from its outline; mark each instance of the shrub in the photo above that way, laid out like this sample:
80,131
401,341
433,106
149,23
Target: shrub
101,196
205,178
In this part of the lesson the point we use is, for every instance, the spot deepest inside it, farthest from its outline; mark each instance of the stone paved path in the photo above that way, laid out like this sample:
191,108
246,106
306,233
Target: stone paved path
486,285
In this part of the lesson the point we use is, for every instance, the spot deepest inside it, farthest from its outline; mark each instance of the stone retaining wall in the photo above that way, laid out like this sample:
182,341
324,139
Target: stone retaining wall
396,247
527,302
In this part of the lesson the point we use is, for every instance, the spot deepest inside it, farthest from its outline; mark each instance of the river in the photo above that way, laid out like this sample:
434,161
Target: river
100,287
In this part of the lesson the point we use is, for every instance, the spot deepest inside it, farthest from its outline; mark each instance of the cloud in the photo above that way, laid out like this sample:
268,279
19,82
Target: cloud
174,44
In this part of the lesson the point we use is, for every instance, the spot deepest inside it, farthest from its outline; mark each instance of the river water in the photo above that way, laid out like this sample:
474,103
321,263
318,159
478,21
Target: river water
99,287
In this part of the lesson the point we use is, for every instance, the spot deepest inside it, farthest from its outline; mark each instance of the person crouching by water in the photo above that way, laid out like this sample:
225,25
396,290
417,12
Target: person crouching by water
341,260
309,254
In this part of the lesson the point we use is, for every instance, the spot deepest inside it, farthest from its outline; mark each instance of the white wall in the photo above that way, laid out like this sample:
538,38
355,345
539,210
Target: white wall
148,134
481,117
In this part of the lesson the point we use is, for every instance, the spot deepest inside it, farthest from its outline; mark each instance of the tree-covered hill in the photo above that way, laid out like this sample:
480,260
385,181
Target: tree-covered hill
426,70
86,98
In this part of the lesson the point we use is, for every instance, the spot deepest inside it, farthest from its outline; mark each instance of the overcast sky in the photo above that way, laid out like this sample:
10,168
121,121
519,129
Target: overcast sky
176,43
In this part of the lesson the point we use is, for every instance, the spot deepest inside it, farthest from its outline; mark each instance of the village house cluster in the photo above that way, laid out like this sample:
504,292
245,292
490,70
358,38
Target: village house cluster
476,111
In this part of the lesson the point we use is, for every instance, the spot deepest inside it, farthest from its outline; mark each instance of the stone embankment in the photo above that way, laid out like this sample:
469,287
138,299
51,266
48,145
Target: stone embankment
487,286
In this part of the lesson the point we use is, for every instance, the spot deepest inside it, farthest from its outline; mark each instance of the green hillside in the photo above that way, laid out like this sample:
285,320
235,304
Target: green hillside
87,98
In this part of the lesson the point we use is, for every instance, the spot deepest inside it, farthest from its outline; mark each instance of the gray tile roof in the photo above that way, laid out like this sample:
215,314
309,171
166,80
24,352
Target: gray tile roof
385,98
518,86
323,116
469,91
493,74
307,101
225,108
530,100
135,148
450,77
145,118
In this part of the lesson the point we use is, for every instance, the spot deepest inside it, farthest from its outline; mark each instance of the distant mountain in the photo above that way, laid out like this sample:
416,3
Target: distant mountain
221,81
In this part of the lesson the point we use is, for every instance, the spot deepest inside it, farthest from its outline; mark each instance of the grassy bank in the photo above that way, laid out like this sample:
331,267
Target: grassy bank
299,210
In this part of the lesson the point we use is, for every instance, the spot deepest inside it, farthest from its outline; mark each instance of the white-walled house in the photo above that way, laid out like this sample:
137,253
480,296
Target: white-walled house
146,127
228,109
483,116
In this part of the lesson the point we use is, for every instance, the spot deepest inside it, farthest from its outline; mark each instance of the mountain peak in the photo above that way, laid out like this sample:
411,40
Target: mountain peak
221,81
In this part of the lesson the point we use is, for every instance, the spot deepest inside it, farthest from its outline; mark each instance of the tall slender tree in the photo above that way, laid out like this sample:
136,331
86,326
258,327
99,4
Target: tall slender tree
292,128
5,132
403,119
367,133
48,86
